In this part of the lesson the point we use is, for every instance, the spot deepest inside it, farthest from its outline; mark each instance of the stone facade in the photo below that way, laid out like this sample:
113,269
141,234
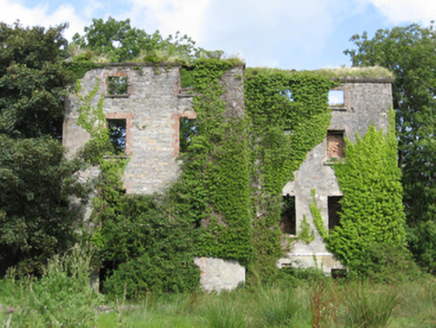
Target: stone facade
152,107
217,274
366,102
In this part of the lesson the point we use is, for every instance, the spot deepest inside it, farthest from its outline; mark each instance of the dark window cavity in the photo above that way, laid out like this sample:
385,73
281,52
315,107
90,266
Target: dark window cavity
288,217
117,134
335,209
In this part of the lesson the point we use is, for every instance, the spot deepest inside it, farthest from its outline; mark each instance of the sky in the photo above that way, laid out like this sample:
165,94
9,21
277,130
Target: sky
286,34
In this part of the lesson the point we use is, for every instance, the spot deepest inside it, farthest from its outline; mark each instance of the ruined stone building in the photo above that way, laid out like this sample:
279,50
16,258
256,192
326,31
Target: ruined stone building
148,103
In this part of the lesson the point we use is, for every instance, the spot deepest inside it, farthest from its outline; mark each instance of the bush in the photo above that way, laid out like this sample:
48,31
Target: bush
138,276
151,244
63,297
386,262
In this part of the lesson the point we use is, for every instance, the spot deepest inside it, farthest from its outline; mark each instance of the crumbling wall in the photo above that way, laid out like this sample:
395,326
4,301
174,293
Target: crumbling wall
366,102
152,108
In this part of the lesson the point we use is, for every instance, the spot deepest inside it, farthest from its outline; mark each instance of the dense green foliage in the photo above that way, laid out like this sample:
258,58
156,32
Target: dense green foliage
235,168
409,53
35,179
288,116
215,170
152,245
372,210
62,297
116,41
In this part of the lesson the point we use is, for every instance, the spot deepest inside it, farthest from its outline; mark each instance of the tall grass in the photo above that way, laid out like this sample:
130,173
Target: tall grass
369,306
62,297
282,307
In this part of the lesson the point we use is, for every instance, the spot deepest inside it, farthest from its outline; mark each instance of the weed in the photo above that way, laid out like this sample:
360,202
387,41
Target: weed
368,306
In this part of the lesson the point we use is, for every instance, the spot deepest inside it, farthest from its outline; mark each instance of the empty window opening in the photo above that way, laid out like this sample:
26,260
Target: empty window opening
335,144
336,98
188,129
117,134
288,217
339,273
335,209
117,85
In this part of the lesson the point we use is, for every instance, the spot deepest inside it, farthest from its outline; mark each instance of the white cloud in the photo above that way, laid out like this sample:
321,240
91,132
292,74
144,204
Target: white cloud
397,11
170,16
272,33
12,11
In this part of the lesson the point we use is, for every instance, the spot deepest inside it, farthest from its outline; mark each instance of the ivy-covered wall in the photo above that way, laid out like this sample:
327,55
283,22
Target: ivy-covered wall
259,135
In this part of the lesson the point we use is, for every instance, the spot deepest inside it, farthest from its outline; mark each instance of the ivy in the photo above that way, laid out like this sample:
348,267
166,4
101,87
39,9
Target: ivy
317,217
288,116
306,235
372,209
216,169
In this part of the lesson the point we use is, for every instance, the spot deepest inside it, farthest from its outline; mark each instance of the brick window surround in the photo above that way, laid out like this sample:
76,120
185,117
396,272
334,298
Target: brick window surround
335,144
176,136
129,125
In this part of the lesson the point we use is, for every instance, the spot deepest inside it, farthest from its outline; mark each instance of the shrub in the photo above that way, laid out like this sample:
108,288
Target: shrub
386,262
151,244
63,297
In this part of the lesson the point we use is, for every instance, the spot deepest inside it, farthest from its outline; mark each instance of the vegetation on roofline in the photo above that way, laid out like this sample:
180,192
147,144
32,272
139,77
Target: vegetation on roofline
372,72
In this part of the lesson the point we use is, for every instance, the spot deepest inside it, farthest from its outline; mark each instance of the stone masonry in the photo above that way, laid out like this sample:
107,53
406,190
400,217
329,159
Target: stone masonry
366,102
152,107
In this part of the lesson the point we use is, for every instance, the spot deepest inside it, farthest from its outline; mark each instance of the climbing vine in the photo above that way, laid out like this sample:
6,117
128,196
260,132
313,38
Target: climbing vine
288,116
216,169
227,201
372,209
145,241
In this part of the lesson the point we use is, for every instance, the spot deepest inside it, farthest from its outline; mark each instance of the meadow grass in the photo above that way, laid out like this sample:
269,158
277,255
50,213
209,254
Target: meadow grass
63,298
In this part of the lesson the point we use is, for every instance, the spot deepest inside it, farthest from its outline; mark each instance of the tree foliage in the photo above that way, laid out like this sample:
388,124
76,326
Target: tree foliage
35,179
120,43
409,52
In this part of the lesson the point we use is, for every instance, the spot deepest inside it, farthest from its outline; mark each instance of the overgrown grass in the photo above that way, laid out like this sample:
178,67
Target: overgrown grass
64,298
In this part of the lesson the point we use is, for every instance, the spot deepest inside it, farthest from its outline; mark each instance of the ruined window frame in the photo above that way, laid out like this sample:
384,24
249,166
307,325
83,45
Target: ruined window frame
333,220
128,117
330,160
120,75
339,107
176,117
283,218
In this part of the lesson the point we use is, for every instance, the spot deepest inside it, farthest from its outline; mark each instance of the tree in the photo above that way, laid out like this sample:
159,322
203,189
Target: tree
120,42
409,52
35,178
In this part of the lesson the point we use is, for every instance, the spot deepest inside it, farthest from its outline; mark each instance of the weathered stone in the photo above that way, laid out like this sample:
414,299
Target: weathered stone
152,108
217,274
366,103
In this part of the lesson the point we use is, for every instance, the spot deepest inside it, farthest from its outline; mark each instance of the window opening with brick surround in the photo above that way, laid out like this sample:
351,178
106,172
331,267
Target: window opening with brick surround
335,144
116,85
117,134
120,132
288,216
334,208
